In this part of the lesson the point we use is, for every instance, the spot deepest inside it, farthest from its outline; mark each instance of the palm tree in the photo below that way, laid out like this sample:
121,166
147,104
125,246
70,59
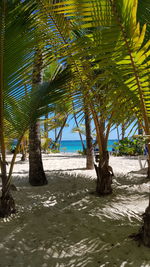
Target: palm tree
89,144
37,175
143,17
85,63
77,129
109,44
85,129
121,51
17,107
14,56
60,111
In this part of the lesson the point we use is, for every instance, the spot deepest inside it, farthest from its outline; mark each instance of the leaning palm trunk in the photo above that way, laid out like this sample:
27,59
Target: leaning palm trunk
24,149
46,131
148,170
7,205
36,172
80,135
89,145
103,171
59,135
104,175
145,230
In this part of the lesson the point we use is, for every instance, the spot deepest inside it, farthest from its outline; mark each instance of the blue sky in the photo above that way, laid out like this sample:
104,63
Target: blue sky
68,135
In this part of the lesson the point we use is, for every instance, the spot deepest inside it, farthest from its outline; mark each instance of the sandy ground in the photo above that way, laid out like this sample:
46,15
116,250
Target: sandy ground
63,225
75,164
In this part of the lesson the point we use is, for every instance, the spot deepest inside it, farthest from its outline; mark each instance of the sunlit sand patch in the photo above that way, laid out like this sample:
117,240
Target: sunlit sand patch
63,225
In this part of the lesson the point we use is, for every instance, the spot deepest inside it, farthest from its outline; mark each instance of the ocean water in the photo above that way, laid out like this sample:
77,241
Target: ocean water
75,145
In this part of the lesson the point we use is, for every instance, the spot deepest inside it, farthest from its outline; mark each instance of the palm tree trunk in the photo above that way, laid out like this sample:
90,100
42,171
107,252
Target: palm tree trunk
7,204
103,170
123,129
145,230
143,236
89,145
46,126
83,146
36,172
148,171
118,136
24,149
59,133
104,175
46,131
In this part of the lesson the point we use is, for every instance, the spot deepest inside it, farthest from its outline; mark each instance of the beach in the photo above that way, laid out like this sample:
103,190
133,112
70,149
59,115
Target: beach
76,164
63,224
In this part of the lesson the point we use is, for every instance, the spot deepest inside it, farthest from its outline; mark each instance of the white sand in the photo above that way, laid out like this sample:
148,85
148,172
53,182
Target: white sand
75,164
63,225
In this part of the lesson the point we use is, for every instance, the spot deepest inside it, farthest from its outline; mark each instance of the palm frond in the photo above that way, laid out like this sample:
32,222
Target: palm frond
115,45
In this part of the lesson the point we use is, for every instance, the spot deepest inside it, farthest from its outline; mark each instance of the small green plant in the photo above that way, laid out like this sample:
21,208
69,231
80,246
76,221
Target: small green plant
82,152
129,146
55,151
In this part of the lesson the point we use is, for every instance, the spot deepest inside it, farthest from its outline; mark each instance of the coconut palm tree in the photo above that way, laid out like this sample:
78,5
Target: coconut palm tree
85,129
96,47
119,47
143,16
37,175
20,108
9,20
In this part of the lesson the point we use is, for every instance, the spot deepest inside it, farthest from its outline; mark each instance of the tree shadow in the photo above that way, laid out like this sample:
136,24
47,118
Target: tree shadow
70,227
63,156
67,194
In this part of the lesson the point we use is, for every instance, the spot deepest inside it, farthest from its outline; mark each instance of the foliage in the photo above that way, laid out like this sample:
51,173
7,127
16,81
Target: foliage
54,151
20,106
109,57
45,143
83,152
129,146
80,129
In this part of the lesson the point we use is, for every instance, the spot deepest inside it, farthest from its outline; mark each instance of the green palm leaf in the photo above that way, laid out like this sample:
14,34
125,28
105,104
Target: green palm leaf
115,46
19,105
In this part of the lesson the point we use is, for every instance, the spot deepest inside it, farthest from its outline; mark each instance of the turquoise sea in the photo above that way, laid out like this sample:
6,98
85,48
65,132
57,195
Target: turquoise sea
75,145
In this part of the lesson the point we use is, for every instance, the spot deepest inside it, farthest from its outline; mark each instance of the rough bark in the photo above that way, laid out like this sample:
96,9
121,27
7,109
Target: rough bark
144,233
7,205
89,145
24,156
104,175
36,172
143,236
146,227
148,170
